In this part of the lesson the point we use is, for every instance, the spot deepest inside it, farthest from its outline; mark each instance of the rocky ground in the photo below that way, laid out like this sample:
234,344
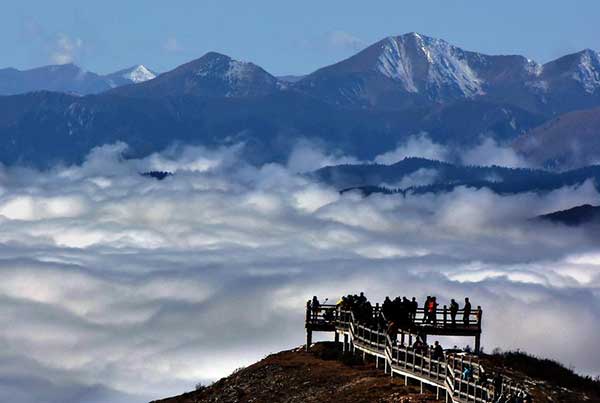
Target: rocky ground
326,375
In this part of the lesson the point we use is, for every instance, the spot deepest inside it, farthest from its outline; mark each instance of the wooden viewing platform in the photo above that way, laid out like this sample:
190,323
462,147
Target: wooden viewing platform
399,358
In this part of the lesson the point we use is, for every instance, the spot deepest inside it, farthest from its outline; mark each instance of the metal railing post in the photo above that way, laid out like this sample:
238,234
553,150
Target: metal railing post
445,315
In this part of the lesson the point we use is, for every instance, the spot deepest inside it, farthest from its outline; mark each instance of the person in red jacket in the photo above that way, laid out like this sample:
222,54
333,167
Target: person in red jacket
432,310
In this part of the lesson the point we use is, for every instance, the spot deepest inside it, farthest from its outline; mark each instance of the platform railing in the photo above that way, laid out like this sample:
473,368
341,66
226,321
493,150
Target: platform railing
442,319
322,315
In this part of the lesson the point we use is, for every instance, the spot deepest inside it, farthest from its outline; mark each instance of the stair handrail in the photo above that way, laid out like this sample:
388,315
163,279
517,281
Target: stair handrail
445,371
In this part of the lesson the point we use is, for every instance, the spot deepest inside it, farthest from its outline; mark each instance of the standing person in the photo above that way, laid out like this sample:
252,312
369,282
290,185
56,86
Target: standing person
315,307
406,304
414,305
425,309
467,374
453,311
387,308
368,313
438,351
404,313
466,312
419,345
497,385
396,306
431,310
392,331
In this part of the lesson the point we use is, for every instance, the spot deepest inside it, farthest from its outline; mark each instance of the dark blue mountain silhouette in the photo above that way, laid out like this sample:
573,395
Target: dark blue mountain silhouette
373,178
579,215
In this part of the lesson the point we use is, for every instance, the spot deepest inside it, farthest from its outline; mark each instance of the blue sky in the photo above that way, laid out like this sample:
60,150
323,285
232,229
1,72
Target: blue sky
284,37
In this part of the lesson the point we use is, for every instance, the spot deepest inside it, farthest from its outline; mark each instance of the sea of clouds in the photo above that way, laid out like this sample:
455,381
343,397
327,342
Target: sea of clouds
116,287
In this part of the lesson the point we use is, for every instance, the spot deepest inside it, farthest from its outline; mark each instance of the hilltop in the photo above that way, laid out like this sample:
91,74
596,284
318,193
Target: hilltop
325,374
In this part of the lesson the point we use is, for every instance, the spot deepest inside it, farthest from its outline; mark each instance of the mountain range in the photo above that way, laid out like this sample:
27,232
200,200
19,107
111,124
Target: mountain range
68,78
414,69
363,106
420,175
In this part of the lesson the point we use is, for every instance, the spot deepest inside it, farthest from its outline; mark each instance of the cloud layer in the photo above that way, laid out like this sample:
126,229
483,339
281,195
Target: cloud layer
486,153
118,287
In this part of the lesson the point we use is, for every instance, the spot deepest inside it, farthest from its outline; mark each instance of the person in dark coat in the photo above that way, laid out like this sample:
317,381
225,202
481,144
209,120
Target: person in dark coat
438,351
453,311
367,312
315,307
392,331
497,385
387,308
466,312
414,305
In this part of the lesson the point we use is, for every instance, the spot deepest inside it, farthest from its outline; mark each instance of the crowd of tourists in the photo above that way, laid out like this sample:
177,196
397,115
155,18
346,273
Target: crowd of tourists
401,313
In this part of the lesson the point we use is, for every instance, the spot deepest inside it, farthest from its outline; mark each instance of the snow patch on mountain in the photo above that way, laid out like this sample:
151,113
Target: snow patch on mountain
132,75
534,68
139,74
229,77
216,65
395,64
587,71
238,71
423,63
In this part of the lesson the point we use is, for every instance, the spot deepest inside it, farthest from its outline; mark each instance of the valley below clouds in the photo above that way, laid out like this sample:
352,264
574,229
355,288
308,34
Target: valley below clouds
119,287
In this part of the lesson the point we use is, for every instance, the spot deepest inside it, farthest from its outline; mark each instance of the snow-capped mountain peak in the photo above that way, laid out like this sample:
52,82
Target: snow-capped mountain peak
217,65
424,64
139,74
132,75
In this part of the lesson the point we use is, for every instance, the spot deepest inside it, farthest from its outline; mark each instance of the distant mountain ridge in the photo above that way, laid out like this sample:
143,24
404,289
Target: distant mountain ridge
68,78
212,75
396,72
414,69
421,175
363,106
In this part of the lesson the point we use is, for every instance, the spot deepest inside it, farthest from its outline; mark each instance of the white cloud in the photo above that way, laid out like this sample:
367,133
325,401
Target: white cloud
144,287
65,49
419,145
306,157
420,177
486,153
